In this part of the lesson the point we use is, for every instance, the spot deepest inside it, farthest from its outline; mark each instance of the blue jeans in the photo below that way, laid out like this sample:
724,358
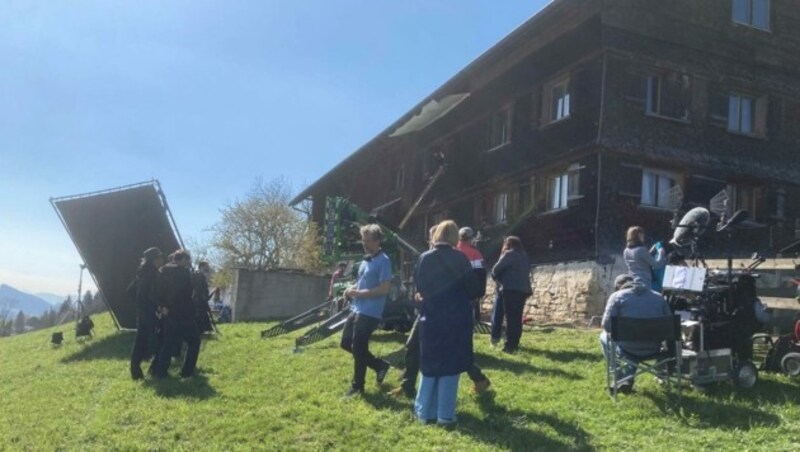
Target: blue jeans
436,399
625,370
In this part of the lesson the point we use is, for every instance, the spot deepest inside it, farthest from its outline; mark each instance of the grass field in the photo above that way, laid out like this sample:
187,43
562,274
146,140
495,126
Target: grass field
258,394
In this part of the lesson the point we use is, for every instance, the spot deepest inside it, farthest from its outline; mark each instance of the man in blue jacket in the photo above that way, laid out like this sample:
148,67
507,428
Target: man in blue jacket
368,299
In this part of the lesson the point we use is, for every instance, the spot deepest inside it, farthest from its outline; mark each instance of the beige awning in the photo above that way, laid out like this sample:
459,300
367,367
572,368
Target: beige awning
430,112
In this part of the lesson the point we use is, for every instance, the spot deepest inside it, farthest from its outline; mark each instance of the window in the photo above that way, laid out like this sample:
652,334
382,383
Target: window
743,197
525,196
751,12
778,207
563,188
500,132
559,100
656,188
400,178
669,95
501,208
740,114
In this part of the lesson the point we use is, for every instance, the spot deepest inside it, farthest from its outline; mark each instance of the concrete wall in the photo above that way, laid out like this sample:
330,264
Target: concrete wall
274,294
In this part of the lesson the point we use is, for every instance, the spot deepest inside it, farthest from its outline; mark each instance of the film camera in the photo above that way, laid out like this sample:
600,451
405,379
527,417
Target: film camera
719,308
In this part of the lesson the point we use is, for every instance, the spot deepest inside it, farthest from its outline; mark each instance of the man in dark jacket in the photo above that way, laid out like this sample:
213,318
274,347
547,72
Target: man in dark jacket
178,315
143,288
200,296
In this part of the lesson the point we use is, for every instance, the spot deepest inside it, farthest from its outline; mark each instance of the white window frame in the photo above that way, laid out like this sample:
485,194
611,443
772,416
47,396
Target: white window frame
560,106
743,12
501,207
655,82
659,199
735,116
501,137
558,192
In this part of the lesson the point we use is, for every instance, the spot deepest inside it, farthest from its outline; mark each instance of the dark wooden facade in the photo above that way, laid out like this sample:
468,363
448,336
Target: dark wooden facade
649,85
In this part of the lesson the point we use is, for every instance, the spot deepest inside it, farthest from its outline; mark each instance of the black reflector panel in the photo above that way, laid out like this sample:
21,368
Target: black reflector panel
111,229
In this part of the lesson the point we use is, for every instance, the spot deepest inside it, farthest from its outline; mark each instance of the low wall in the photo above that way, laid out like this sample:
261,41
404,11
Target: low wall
274,294
566,293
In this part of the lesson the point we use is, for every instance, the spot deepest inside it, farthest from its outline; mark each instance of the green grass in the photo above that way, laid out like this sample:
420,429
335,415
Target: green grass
258,394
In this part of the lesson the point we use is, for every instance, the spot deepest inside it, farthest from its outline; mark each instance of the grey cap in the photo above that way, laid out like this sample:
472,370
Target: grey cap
466,233
621,280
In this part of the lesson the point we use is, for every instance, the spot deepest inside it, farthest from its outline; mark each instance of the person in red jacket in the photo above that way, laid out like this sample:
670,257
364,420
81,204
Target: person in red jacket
465,238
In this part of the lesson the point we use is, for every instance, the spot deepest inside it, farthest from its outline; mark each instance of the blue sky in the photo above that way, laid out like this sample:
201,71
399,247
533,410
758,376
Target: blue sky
205,97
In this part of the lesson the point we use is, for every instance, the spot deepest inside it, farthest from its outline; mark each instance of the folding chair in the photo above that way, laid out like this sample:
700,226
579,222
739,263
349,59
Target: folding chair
660,329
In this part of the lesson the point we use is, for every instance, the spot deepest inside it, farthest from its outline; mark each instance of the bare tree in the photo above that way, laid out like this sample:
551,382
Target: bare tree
262,231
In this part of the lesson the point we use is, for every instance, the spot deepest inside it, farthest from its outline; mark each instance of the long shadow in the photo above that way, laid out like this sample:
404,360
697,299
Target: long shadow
517,367
387,336
565,356
769,391
507,429
115,346
196,387
706,413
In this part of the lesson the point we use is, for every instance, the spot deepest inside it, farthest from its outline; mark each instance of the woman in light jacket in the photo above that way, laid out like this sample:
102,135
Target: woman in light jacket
447,285
512,276
640,261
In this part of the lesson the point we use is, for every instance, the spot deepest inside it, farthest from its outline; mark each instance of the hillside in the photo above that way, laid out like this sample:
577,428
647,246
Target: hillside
258,394
17,300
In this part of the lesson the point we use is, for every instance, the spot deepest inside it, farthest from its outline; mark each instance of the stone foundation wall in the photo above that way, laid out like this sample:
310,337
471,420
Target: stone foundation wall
571,292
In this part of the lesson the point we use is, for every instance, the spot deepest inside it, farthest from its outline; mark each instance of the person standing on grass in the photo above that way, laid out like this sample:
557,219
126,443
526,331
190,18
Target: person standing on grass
640,261
144,290
512,275
447,285
177,314
408,380
366,309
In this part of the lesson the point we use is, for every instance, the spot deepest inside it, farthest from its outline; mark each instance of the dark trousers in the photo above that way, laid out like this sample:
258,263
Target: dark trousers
411,359
508,304
146,342
355,339
176,331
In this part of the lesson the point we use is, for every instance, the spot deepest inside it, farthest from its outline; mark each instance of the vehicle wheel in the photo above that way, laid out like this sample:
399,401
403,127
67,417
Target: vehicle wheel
791,364
745,375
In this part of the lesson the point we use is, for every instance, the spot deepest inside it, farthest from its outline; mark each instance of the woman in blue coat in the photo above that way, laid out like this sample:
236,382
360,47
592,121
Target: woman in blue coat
446,283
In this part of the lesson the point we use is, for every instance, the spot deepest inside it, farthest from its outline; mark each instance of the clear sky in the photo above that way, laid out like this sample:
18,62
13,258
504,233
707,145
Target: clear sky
205,96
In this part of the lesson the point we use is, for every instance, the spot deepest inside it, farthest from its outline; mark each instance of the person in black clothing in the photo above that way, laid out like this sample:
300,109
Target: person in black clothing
144,289
512,275
178,315
200,296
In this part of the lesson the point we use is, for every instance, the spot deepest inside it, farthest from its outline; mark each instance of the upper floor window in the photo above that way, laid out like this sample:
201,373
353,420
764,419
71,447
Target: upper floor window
741,114
500,128
657,188
557,100
562,188
501,208
744,197
400,178
754,13
669,95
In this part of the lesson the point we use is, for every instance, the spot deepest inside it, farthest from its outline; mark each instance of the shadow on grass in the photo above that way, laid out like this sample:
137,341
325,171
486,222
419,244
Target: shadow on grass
565,356
196,387
396,358
507,428
517,367
115,346
765,391
708,413
501,427
388,336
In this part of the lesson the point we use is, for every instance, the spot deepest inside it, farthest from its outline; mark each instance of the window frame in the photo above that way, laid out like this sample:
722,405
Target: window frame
500,208
658,174
740,96
551,116
750,8
658,112
507,113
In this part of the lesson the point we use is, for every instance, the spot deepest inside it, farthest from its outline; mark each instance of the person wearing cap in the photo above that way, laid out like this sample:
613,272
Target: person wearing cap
631,299
143,289
465,238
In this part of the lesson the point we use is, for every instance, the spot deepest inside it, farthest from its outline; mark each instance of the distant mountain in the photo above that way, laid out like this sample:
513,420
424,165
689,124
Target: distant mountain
53,299
11,298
